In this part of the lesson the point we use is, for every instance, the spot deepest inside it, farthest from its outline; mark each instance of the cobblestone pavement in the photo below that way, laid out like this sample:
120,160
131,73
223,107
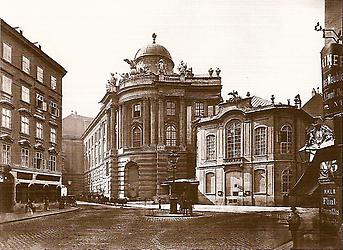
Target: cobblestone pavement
96,227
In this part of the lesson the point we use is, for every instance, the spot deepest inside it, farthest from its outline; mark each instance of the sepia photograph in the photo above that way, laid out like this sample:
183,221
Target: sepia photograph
186,124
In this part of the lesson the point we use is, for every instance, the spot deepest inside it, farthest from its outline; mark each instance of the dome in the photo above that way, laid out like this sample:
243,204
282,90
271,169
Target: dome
153,49
150,55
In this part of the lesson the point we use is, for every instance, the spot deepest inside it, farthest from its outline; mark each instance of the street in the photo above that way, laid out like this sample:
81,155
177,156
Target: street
103,227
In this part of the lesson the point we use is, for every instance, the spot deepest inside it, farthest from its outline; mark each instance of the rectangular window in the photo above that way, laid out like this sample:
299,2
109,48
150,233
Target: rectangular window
40,101
25,65
7,52
210,147
136,110
6,85
25,94
260,141
40,74
210,111
199,109
39,130
6,118
53,82
53,135
38,161
52,163
25,125
24,157
171,108
6,154
53,108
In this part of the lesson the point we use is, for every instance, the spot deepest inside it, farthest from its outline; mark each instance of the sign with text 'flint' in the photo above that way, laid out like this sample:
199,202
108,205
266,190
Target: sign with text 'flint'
332,78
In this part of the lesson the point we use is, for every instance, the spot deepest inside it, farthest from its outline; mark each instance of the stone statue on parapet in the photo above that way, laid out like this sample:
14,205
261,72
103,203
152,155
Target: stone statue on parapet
132,63
189,72
161,68
182,68
235,97
113,79
144,69
111,84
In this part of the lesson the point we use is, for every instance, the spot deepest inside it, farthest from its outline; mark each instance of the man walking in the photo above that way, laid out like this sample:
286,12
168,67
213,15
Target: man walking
294,223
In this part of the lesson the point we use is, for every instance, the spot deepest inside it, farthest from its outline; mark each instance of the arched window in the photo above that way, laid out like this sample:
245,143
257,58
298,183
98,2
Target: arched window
210,147
260,141
260,181
170,135
286,139
286,177
136,137
210,183
233,136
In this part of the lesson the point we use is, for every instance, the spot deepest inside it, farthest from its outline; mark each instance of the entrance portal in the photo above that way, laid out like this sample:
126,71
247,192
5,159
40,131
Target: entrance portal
131,180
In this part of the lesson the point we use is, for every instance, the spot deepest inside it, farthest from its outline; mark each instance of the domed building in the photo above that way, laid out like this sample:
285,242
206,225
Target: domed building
147,113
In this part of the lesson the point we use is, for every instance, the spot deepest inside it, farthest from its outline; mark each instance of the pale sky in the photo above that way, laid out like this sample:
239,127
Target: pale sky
265,47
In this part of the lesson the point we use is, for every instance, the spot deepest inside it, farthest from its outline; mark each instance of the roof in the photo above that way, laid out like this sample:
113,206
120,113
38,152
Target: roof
34,47
314,106
258,102
153,49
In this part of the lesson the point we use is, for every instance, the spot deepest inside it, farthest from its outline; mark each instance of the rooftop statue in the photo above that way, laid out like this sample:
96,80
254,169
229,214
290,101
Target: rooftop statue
132,63
182,67
235,97
111,84
161,68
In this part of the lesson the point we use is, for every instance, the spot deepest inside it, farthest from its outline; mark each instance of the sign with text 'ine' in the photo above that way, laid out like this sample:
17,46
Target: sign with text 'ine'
332,78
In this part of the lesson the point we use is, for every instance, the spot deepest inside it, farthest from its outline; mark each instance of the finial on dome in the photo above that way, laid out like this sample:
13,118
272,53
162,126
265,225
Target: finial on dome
154,38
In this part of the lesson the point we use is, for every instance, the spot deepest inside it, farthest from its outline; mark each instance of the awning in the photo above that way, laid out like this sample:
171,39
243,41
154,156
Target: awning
308,182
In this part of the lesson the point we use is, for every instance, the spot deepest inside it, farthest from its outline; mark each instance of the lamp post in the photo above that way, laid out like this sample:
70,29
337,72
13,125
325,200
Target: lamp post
69,187
172,159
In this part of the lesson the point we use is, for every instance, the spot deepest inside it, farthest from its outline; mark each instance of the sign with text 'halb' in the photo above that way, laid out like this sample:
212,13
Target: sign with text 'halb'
332,78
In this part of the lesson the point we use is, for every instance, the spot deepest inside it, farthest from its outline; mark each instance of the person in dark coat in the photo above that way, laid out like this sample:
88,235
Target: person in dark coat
294,222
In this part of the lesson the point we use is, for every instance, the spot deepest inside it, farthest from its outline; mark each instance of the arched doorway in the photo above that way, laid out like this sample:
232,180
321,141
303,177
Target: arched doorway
6,191
131,180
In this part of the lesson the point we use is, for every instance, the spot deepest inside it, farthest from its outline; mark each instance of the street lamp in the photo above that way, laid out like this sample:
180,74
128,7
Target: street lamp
330,33
69,187
172,159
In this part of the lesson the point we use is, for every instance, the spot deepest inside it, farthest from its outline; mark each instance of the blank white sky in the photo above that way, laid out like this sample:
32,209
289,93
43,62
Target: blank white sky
265,47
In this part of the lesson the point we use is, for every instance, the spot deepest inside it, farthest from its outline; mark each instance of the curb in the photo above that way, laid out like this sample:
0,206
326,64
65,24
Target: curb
39,215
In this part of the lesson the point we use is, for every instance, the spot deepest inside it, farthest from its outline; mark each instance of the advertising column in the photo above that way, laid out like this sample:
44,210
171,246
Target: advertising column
331,165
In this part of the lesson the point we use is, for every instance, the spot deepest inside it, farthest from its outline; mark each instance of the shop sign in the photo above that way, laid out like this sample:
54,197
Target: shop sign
332,78
329,209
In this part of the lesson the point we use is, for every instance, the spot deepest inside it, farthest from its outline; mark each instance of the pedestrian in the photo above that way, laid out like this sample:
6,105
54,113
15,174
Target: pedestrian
159,203
29,207
46,204
294,222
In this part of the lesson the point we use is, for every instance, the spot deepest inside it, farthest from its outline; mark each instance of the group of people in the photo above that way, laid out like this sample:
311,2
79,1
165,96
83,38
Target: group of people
31,208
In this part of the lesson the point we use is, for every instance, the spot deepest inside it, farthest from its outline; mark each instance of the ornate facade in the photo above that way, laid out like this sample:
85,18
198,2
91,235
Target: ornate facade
31,124
248,153
149,112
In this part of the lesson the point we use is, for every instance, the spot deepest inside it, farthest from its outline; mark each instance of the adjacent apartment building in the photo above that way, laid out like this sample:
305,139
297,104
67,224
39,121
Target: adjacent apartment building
147,112
73,127
247,154
30,121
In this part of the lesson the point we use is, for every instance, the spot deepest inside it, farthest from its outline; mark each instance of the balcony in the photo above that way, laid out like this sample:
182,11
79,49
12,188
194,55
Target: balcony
6,99
234,160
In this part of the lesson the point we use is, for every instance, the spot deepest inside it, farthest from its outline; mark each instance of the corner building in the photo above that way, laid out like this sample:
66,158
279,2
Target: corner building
30,121
149,113
248,153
